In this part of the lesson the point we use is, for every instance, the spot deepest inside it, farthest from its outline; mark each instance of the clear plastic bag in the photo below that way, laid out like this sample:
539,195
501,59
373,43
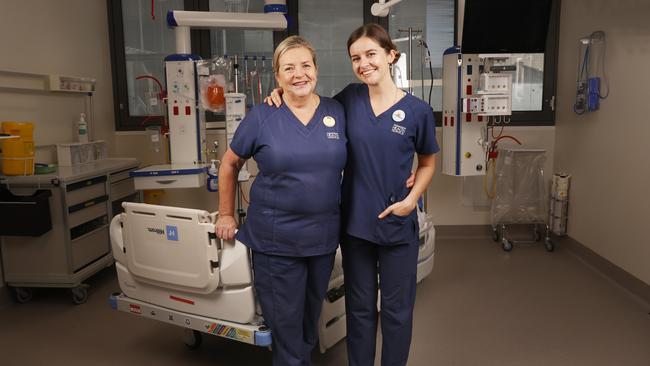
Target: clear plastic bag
267,74
214,85
520,190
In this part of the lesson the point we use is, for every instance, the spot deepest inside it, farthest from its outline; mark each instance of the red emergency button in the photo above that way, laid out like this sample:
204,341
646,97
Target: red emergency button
188,110
175,110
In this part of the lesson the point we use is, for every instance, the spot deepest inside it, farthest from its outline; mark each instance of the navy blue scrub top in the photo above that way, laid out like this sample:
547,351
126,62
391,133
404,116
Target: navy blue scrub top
295,199
380,159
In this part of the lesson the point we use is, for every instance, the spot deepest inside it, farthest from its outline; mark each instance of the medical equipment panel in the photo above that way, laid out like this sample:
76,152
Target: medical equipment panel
186,123
475,94
463,125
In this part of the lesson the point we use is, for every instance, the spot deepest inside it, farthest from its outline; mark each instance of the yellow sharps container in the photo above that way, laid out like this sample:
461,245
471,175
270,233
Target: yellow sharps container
18,153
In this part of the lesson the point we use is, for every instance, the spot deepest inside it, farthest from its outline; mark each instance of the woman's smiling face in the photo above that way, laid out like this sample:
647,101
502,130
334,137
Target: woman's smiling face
297,74
370,62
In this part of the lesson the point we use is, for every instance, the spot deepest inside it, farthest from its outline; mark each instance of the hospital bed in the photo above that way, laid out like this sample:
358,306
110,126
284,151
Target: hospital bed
171,267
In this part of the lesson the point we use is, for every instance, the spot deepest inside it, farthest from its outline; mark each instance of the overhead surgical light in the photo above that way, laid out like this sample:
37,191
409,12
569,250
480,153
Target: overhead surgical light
382,8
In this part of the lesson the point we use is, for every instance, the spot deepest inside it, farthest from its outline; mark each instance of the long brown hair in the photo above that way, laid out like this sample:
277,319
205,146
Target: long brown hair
378,34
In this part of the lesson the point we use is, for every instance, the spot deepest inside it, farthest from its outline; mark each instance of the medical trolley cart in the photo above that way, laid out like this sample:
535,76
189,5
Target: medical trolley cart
55,226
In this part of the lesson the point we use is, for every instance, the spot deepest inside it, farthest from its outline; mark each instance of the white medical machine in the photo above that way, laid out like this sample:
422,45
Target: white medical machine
171,267
188,150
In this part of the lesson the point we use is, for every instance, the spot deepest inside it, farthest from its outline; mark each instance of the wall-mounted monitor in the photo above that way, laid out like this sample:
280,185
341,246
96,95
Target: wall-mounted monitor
505,26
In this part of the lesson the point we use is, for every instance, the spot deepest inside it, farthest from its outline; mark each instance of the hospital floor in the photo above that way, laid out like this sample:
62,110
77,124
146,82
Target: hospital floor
480,306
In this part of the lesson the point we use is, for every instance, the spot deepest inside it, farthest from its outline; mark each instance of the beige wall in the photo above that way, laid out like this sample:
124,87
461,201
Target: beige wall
606,151
68,37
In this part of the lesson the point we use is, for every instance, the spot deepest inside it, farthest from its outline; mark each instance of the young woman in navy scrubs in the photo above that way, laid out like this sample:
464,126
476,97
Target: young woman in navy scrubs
386,128
293,220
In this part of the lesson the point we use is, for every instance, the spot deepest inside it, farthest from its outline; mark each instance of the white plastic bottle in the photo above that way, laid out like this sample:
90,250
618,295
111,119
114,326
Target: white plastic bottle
213,177
82,128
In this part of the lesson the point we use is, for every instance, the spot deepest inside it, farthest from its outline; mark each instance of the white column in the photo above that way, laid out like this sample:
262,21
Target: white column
183,43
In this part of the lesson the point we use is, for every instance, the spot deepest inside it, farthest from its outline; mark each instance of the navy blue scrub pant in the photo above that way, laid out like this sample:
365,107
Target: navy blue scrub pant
397,269
291,292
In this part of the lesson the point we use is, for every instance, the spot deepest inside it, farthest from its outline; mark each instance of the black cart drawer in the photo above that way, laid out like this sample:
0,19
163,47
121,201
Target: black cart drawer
25,215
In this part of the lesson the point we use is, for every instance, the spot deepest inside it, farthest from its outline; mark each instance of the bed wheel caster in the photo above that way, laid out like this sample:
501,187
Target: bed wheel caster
79,295
192,338
549,245
22,295
507,246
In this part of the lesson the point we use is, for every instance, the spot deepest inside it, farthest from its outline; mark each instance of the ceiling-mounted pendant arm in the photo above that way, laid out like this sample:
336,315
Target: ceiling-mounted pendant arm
382,8
182,21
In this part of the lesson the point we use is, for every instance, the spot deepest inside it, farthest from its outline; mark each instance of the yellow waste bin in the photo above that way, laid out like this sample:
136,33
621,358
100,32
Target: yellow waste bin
18,153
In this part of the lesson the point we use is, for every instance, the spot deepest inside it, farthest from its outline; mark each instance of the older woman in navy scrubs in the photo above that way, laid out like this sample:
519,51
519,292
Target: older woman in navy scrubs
386,128
293,221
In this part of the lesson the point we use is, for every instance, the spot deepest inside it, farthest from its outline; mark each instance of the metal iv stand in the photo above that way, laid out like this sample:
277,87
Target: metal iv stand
410,32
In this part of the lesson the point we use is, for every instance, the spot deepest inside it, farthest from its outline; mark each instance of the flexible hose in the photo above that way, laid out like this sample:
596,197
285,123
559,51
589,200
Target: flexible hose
490,169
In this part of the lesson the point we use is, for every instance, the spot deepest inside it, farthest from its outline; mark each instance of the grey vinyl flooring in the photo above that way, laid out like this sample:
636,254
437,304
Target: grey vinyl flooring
480,306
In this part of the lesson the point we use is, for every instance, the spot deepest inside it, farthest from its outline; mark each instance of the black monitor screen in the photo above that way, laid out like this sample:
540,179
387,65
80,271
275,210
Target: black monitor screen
505,26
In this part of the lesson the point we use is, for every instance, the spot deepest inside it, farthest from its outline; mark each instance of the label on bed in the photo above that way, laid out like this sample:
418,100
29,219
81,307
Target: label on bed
172,233
230,332
135,309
